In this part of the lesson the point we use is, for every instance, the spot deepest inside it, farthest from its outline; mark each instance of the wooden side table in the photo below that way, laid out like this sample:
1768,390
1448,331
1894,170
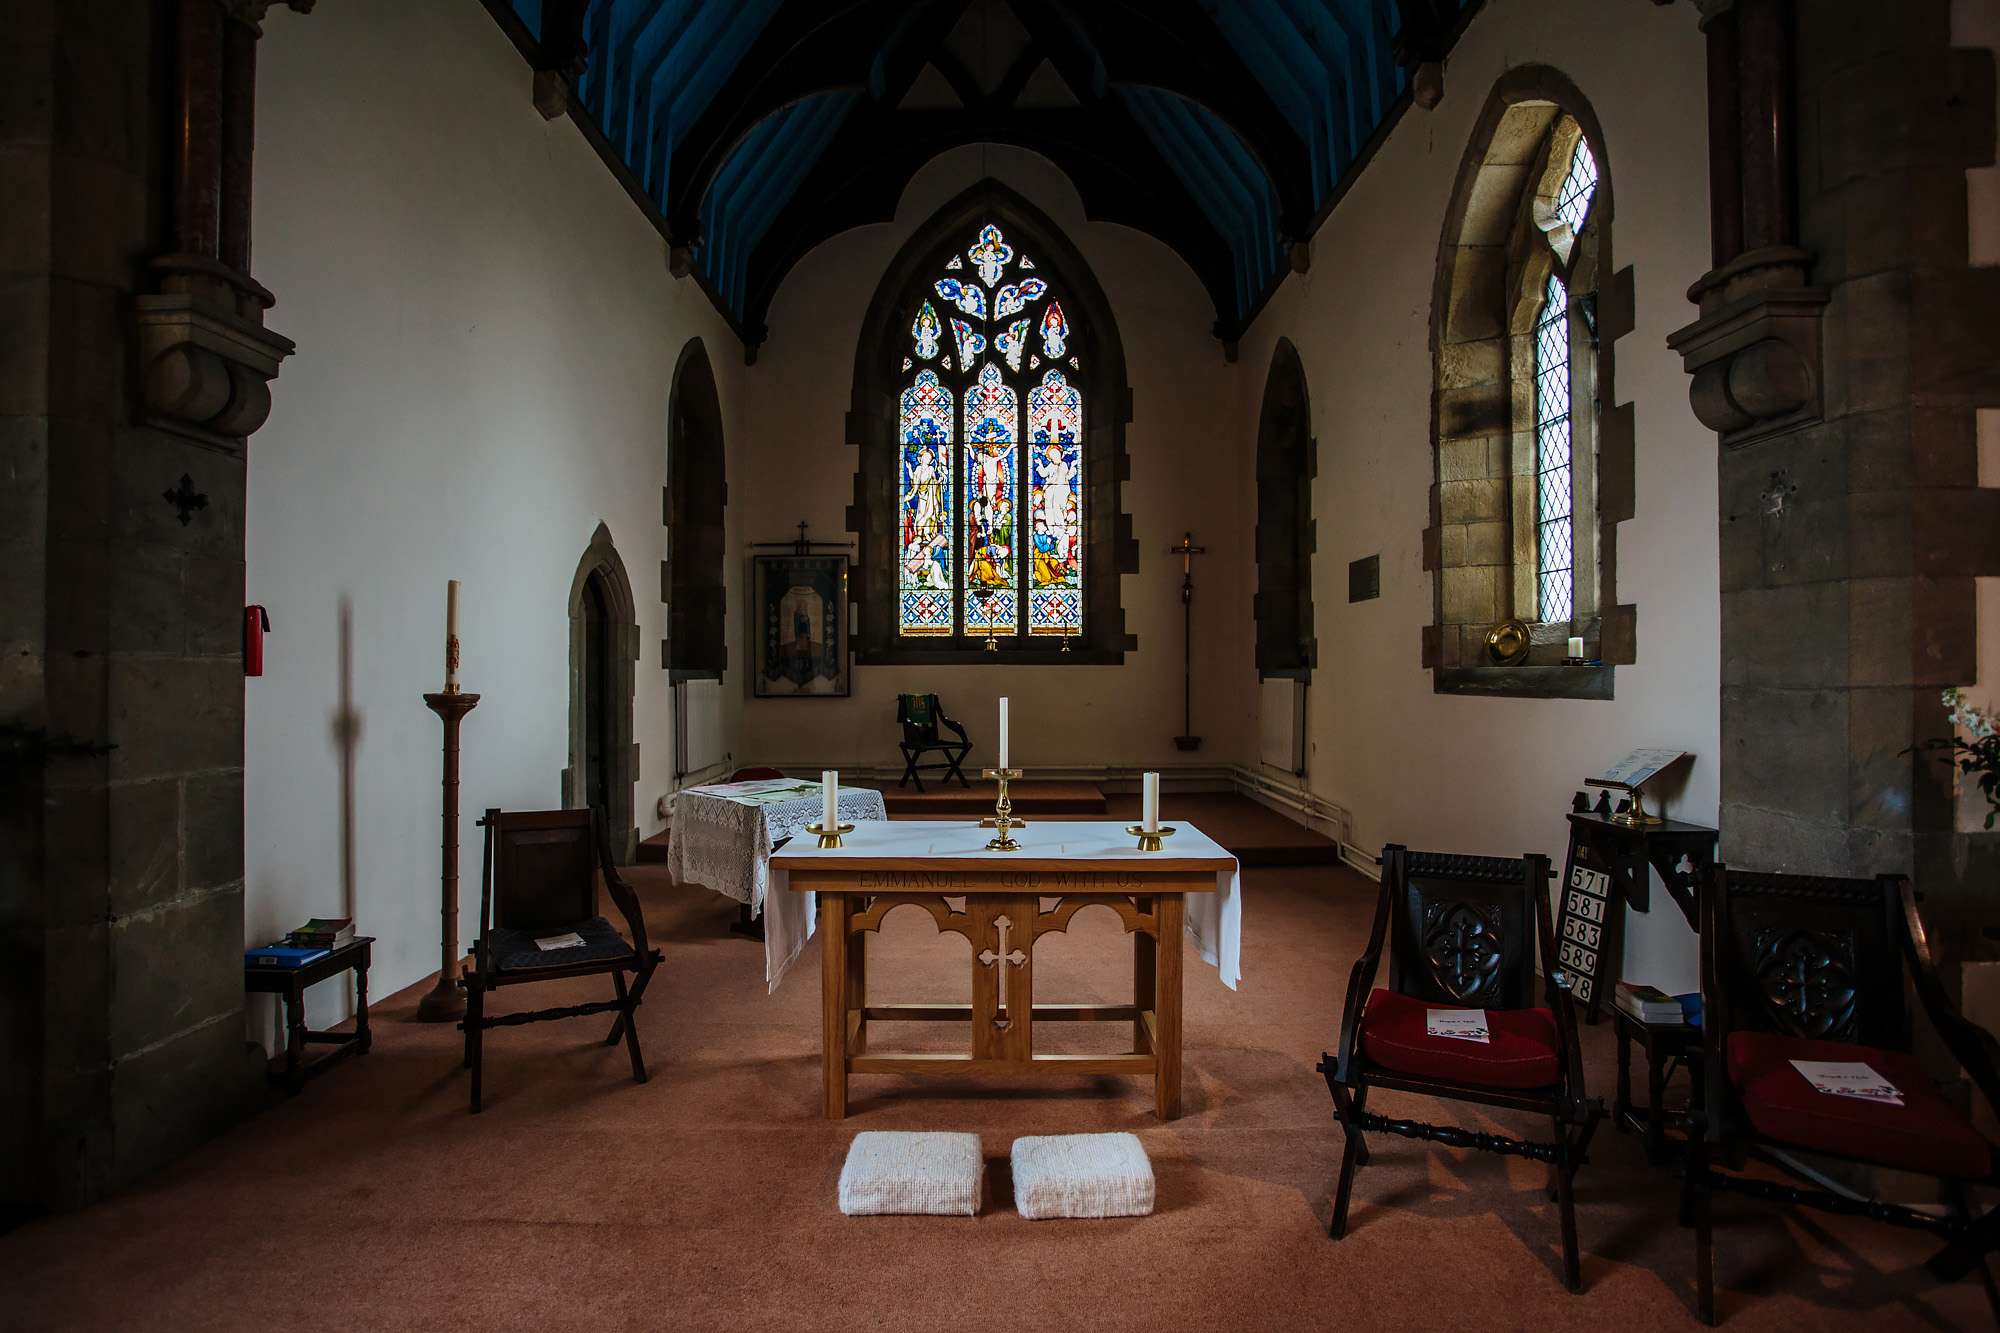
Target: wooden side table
291,983
1666,1045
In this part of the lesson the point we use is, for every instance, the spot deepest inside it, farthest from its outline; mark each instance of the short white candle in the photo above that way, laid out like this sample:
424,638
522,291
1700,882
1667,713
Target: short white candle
1150,802
829,786
1003,731
1575,646
450,630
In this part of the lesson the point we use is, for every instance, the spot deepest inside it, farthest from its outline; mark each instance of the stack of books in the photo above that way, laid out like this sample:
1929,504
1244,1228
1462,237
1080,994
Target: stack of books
1653,1006
282,955
323,932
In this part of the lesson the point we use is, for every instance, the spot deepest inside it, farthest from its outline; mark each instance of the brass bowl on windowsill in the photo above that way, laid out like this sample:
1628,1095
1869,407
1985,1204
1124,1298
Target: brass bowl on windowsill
1507,642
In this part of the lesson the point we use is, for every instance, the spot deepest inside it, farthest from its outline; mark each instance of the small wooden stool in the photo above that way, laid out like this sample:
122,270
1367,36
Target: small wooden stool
291,982
1665,1044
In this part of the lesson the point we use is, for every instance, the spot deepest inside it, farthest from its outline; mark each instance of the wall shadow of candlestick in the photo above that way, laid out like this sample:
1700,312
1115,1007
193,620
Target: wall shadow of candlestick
345,726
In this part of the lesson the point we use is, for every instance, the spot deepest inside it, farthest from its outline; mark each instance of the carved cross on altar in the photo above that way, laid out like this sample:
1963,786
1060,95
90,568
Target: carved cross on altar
988,958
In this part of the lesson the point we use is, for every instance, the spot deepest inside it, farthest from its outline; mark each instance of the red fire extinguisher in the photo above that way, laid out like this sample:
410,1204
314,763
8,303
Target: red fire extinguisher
256,624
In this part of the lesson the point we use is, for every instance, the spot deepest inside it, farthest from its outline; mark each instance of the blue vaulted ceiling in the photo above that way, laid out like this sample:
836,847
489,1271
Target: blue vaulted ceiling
754,129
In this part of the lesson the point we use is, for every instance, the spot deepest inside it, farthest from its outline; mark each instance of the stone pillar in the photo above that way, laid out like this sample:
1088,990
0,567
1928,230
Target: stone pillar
1842,349
121,587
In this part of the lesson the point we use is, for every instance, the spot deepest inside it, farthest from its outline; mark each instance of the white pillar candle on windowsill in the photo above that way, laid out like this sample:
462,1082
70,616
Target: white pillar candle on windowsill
829,785
1575,646
1003,731
1149,802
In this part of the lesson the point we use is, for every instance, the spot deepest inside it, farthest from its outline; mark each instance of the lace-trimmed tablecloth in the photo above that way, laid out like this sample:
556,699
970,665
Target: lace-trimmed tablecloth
722,838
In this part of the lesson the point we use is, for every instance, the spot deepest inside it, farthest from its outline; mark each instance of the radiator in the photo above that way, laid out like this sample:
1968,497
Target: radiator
1281,726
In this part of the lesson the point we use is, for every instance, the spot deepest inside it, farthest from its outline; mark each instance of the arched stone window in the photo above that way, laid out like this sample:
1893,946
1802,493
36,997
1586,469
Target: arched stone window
1285,538
1533,465
990,404
697,493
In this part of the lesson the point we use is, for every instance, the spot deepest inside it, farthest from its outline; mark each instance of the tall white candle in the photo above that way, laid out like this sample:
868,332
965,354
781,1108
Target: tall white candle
450,632
1150,802
829,786
1003,731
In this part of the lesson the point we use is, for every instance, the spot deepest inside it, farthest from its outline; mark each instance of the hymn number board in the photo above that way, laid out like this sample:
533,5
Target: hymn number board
1589,915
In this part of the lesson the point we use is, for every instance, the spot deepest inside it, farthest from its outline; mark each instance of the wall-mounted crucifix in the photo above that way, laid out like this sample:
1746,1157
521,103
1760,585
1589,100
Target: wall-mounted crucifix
1187,551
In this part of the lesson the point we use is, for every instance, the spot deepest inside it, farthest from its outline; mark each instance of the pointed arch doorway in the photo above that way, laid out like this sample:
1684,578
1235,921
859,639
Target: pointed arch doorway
603,647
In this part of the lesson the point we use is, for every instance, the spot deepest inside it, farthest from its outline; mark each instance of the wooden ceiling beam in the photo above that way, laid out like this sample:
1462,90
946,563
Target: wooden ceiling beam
805,49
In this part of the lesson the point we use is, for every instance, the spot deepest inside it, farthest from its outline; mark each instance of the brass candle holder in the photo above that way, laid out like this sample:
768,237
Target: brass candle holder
1003,812
1150,839
829,837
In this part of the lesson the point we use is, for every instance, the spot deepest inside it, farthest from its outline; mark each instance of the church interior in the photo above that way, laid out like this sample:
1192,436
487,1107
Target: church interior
1408,590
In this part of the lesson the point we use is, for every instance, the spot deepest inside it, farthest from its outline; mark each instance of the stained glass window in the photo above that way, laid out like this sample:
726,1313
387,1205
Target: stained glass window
1555,537
991,520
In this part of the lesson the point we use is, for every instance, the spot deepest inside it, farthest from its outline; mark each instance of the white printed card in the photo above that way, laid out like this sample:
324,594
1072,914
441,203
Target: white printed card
570,941
1460,1024
1843,1079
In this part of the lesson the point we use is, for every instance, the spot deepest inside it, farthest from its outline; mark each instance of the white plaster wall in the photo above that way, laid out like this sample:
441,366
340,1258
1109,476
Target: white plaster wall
486,334
1189,473
1496,775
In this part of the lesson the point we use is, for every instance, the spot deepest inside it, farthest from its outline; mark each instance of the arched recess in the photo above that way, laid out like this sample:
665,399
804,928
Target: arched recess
1286,466
1502,237
872,421
693,577
603,651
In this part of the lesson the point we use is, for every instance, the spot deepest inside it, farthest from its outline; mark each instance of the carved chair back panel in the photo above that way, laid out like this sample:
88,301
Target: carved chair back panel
544,869
918,714
1462,932
1813,956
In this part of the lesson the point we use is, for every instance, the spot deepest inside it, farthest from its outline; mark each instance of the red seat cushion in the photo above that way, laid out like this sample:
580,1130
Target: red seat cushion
1520,1054
1923,1134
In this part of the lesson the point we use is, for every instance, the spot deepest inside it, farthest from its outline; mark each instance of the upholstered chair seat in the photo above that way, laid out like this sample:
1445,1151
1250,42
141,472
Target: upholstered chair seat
1520,1051
1923,1134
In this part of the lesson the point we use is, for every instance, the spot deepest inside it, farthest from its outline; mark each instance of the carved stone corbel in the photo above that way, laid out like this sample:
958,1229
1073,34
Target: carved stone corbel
1755,352
207,356
206,360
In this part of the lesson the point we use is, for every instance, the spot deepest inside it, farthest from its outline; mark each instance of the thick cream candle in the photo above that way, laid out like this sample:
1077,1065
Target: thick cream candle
829,786
1575,646
1149,802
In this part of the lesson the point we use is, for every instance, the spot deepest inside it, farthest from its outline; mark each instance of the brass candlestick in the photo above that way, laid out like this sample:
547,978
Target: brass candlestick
1003,812
1150,839
829,838
446,1002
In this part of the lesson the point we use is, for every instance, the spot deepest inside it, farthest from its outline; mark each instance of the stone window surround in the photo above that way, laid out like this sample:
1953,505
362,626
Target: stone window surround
1498,245
1110,548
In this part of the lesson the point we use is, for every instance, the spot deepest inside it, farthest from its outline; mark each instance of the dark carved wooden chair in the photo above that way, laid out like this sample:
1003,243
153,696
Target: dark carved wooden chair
538,880
921,716
1461,934
1804,967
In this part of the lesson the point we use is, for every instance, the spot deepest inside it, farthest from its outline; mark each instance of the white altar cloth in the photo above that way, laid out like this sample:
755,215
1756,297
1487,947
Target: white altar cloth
1215,920
723,835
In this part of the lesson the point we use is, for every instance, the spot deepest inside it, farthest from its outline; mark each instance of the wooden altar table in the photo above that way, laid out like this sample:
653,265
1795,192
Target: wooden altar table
1001,903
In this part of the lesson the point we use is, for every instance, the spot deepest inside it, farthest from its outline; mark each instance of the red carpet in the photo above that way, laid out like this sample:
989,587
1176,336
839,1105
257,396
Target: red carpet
705,1198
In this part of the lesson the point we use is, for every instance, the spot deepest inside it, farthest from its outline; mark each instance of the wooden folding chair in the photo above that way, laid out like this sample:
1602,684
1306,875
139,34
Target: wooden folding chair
1461,933
538,881
1811,967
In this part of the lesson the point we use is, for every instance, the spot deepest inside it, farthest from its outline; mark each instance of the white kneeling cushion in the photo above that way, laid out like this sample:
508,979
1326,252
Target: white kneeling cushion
1082,1175
891,1171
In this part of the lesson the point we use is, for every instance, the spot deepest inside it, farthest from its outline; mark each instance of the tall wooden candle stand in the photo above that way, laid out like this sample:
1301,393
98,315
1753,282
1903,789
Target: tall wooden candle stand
446,1002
